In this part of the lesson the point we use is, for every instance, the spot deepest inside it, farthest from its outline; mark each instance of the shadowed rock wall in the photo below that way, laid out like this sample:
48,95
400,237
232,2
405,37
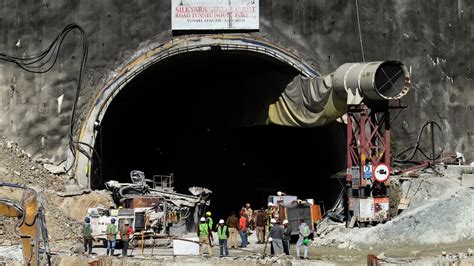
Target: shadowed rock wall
433,38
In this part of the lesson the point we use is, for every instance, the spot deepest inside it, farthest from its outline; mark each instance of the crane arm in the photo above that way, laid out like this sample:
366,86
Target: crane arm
31,222
10,208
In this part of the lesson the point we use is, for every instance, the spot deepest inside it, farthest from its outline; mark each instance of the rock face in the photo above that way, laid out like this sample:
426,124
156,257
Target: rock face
432,39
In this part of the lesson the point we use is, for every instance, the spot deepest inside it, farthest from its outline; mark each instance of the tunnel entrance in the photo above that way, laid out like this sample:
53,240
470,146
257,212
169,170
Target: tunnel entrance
202,115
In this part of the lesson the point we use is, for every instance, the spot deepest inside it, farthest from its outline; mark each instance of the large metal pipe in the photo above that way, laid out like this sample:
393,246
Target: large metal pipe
384,80
312,102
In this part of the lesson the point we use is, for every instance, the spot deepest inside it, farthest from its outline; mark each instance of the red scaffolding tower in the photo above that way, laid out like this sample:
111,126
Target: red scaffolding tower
368,149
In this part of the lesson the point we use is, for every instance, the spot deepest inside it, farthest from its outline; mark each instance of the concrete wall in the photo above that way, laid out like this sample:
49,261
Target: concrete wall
433,38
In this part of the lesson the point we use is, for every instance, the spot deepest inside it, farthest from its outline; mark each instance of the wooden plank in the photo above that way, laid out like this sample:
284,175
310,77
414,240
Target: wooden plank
353,221
404,203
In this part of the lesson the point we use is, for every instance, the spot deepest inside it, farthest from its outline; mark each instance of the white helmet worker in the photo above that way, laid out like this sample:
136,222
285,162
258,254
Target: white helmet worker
203,219
273,221
221,221
285,222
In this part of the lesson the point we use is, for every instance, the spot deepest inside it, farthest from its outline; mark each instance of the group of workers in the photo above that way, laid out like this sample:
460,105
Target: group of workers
266,223
112,230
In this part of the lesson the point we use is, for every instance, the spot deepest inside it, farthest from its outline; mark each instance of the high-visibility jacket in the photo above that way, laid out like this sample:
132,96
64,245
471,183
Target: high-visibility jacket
203,229
87,231
111,232
210,222
222,232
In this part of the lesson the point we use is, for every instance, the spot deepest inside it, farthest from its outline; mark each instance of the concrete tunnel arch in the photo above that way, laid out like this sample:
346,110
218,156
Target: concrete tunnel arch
97,108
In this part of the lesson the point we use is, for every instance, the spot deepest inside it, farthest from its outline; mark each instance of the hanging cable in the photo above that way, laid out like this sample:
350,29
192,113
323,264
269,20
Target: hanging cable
416,148
43,62
360,33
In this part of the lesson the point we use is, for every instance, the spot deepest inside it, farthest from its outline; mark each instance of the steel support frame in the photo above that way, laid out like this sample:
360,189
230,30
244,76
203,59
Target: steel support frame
368,137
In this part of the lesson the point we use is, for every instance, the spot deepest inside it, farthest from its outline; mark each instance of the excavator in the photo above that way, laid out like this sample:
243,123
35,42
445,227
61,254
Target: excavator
31,226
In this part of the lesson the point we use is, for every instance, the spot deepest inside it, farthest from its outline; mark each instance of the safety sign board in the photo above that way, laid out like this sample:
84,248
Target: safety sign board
381,172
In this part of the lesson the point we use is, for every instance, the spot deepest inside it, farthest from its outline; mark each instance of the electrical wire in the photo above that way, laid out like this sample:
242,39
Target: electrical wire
43,62
416,148
360,33
396,116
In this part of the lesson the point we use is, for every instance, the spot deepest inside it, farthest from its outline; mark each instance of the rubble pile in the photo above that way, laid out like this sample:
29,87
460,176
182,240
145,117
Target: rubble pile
10,254
441,212
181,260
17,166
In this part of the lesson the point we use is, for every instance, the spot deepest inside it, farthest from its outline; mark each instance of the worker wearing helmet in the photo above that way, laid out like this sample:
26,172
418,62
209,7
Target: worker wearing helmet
125,232
111,233
303,240
276,235
209,220
269,239
87,235
286,237
205,237
222,234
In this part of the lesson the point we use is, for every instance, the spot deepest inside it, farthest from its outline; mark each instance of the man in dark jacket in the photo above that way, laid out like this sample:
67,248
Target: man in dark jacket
286,237
87,235
276,237
260,223
233,224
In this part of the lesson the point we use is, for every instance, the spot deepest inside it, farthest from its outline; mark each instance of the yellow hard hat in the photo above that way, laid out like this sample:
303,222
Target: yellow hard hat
120,207
208,213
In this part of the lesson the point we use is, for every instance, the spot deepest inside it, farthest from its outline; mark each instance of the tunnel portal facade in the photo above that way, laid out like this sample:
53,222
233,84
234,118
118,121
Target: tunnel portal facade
118,107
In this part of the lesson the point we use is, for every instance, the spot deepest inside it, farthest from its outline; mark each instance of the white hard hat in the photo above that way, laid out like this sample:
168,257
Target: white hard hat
279,193
273,221
285,222
221,221
270,204
270,239
203,219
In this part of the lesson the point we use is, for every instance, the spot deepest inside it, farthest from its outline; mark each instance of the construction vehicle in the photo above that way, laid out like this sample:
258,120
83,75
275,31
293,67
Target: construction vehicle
31,227
147,221
293,209
154,211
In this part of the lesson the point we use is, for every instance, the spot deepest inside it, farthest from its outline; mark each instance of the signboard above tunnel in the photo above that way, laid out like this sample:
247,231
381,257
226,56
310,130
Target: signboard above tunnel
214,14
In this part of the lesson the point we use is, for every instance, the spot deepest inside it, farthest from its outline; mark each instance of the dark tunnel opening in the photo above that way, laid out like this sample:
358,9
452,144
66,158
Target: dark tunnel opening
199,115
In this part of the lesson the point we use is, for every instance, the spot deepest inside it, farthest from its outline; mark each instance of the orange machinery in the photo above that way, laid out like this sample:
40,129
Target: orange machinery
31,227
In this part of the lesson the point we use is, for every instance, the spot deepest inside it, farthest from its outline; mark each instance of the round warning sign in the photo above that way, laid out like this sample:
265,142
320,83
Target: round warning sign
381,172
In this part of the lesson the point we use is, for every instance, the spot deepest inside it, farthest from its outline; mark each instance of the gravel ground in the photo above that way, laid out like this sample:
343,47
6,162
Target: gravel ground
440,218
442,212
